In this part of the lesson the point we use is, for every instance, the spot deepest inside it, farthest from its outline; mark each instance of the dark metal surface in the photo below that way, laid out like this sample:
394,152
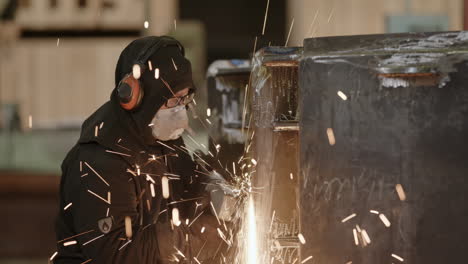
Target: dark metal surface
412,135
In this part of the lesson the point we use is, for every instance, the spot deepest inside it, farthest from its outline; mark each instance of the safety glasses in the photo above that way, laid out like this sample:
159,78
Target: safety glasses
176,101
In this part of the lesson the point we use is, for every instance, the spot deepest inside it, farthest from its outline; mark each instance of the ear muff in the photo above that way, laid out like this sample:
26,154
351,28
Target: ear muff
129,92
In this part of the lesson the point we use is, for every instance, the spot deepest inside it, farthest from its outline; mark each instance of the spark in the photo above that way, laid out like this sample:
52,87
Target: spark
136,71
289,33
166,145
156,73
101,125
365,236
118,153
146,24
125,244
150,65
307,259
384,220
107,213
95,172
175,24
301,239
196,260
87,261
208,112
128,227
153,194
202,230
252,234
265,20
347,218
400,192
223,237
106,201
331,136
208,121
68,206
397,257
215,213
85,243
254,162
374,212
165,187
58,42
218,147
356,240
291,176
255,45
173,63
331,14
195,219
69,243
313,22
86,232
30,121
96,131
175,217
342,95
53,256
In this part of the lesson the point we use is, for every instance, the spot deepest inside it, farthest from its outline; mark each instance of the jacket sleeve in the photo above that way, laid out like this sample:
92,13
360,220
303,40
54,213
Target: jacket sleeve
102,195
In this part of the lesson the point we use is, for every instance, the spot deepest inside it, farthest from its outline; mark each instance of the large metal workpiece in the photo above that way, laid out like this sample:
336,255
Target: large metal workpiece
273,128
384,173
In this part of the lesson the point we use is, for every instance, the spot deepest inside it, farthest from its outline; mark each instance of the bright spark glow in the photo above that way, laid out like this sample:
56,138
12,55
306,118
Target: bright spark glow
175,217
365,236
301,239
165,187
347,218
153,194
128,227
202,230
398,257
306,259
342,95
69,243
289,34
150,65
251,257
384,220
136,71
53,256
146,24
291,176
68,206
30,121
374,212
156,73
401,192
356,240
331,136
254,162
208,112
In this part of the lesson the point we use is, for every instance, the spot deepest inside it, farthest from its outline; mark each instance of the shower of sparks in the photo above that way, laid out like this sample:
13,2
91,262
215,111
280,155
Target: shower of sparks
342,95
165,187
146,24
400,192
384,220
365,236
30,121
331,137
301,239
136,71
251,257
53,256
156,73
289,33
97,174
397,257
208,112
374,212
128,227
68,206
306,259
356,240
348,218
265,20
69,243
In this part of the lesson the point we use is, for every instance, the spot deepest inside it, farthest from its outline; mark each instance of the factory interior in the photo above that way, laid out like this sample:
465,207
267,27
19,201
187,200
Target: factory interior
342,123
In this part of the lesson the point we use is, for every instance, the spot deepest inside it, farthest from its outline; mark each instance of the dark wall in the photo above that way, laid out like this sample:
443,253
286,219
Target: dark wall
232,25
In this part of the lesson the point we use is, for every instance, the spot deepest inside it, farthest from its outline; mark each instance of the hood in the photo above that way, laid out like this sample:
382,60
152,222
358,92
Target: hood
116,128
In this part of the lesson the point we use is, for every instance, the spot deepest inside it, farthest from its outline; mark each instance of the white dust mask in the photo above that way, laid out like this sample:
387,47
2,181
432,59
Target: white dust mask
169,124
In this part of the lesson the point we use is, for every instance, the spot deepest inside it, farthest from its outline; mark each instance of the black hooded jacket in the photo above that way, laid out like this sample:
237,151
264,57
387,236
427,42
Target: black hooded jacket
111,205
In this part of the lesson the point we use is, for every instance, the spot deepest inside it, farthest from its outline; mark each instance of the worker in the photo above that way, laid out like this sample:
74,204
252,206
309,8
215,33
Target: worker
130,192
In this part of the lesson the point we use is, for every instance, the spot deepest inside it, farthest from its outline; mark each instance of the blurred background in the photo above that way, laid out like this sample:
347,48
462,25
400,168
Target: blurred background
57,62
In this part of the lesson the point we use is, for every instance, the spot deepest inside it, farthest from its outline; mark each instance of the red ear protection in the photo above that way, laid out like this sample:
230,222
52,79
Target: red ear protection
129,92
